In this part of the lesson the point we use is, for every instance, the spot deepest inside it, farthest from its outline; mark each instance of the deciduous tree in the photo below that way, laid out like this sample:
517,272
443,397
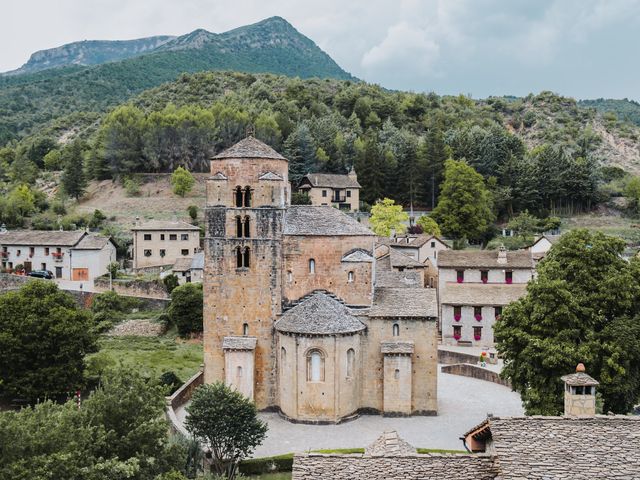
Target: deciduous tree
387,216
182,181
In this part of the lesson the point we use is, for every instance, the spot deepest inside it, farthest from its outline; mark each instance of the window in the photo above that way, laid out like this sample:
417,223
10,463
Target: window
289,276
147,253
246,257
508,276
147,236
460,276
477,333
46,250
238,257
350,277
173,236
247,197
184,236
587,390
396,374
238,374
497,311
283,357
163,252
396,330
18,252
184,251
477,313
457,332
32,251
348,193
433,244
351,362
324,193
315,366
239,226
457,313
242,257
484,276
247,231
43,266
245,329
162,236
239,196
312,266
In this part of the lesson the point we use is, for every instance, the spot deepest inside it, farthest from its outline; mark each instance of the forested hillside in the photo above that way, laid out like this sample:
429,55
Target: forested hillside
31,103
624,109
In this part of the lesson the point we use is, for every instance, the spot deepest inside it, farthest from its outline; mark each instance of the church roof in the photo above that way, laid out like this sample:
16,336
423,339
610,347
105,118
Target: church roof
321,221
249,147
329,180
404,302
319,315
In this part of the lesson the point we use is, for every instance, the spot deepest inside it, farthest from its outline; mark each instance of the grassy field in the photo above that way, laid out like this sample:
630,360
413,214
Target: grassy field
615,225
151,355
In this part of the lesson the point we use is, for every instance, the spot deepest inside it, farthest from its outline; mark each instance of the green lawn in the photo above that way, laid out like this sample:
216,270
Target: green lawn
151,355
273,476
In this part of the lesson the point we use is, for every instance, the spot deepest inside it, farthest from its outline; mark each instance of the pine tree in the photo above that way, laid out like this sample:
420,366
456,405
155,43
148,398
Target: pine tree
300,150
435,154
74,182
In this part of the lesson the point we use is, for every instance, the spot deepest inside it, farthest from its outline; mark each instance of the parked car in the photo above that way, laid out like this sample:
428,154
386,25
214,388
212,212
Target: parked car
41,274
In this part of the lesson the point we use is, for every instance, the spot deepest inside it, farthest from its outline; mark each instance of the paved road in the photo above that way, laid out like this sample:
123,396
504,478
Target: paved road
462,403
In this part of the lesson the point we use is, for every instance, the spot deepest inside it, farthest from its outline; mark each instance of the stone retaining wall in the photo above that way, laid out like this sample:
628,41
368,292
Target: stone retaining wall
133,288
475,371
448,357
10,282
181,397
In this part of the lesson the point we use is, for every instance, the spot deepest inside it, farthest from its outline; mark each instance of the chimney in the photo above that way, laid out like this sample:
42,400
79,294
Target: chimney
137,222
502,255
352,173
579,393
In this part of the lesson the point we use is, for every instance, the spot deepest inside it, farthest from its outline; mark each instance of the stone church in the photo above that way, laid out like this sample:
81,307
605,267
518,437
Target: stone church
293,317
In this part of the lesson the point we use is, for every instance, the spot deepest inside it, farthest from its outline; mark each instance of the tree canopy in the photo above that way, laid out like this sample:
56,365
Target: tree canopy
185,309
182,181
429,225
387,216
582,307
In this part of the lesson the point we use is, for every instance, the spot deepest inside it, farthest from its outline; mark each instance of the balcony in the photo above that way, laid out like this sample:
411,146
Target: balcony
338,199
58,256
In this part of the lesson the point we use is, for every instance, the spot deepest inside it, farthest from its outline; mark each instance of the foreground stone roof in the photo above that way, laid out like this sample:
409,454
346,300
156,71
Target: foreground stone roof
42,237
322,221
482,294
319,315
390,444
239,343
330,180
483,259
249,147
404,302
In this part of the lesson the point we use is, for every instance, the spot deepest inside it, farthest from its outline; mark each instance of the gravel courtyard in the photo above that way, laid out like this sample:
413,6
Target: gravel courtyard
462,403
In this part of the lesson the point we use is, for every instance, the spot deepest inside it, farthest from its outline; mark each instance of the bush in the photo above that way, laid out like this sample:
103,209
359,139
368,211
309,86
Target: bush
300,198
185,309
170,381
260,466
113,269
170,282
97,219
182,181
193,212
111,301
58,207
131,186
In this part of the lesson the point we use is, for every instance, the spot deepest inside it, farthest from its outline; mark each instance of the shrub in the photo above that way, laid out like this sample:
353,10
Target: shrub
170,282
260,466
185,309
113,268
193,211
182,181
171,381
131,186
300,198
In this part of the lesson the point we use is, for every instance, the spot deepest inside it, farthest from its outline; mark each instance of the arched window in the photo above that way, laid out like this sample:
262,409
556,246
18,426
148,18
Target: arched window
238,226
396,374
312,266
238,195
246,257
239,374
238,257
245,329
289,276
315,366
351,362
247,230
396,330
350,277
283,357
247,196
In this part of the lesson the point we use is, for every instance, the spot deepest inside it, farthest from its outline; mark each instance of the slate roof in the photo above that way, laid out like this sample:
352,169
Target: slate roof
218,176
401,260
159,225
92,242
482,294
404,302
580,379
270,176
182,264
198,261
390,444
483,259
357,255
322,221
330,180
576,448
249,147
399,347
319,315
239,343
42,237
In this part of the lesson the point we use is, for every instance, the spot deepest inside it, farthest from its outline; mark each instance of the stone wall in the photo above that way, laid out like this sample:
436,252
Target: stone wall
10,282
179,398
133,288
411,467
448,357
474,371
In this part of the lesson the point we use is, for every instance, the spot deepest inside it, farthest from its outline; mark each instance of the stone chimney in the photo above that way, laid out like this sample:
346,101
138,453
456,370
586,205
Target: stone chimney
352,173
579,393
502,255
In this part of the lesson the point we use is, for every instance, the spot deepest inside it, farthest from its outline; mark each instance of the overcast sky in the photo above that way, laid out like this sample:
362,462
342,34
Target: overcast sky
581,48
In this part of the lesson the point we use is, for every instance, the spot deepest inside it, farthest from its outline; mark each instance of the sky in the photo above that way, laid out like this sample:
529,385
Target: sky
578,48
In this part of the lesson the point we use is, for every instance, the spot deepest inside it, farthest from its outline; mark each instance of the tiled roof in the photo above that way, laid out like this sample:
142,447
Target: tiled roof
402,260
390,444
576,448
319,315
399,347
92,242
483,259
321,220
182,264
250,147
404,302
482,294
239,343
580,379
357,255
42,237
330,180
160,225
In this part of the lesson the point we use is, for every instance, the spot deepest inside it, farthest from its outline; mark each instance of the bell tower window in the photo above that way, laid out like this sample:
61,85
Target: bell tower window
239,228
245,258
239,196
242,257
396,330
247,230
238,257
247,196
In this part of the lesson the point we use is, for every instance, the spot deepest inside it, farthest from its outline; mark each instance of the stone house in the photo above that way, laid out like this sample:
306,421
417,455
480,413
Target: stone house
330,189
70,255
159,243
474,287
293,317
189,269
541,246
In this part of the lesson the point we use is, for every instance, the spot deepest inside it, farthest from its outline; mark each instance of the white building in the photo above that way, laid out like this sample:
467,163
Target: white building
474,287
159,243
75,255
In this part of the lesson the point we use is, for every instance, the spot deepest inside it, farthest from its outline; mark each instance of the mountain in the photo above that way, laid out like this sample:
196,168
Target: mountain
90,52
624,109
32,101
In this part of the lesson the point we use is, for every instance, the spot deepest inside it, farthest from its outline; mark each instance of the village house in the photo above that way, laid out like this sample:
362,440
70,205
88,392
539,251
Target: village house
474,287
341,191
293,317
189,269
69,255
541,246
159,243
578,446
